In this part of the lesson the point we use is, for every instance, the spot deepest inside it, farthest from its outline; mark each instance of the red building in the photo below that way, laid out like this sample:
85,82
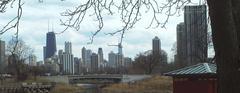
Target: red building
200,78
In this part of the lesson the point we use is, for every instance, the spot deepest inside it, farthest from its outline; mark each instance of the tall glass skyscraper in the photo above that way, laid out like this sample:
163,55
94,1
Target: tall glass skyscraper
195,25
50,45
101,59
192,47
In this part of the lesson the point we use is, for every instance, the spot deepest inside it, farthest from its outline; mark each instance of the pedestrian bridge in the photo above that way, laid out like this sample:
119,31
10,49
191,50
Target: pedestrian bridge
104,78
95,79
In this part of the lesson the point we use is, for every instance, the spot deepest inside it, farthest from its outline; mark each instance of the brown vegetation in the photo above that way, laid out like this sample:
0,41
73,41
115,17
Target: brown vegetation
65,88
156,84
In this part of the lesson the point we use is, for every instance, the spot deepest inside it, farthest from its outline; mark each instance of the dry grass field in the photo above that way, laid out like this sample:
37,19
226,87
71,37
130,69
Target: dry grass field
156,84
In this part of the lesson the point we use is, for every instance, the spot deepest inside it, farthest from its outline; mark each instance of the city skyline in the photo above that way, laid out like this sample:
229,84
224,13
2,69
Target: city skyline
50,11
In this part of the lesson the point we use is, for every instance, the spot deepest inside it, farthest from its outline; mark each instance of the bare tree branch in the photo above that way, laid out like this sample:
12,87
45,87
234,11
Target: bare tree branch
3,4
14,23
130,12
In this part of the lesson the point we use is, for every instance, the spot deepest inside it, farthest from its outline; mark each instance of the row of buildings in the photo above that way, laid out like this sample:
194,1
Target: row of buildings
64,61
192,48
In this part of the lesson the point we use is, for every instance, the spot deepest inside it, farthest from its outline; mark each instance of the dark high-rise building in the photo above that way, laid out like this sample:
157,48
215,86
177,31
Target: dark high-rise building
60,57
94,63
2,55
181,45
77,65
192,35
156,45
50,45
83,54
100,57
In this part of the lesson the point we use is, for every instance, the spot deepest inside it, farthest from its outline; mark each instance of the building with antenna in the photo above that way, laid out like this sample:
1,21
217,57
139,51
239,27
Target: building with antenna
50,48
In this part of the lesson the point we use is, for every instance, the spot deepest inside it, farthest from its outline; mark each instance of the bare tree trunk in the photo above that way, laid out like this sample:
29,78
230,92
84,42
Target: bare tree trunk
226,45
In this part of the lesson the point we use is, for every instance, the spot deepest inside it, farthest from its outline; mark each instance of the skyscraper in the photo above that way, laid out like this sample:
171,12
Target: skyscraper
100,57
195,25
60,57
66,59
84,55
86,58
50,45
77,64
68,64
94,62
181,45
112,59
2,55
32,60
192,36
156,45
68,47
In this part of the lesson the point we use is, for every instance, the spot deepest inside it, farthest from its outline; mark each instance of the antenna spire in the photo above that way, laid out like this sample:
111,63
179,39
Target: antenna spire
48,25
52,27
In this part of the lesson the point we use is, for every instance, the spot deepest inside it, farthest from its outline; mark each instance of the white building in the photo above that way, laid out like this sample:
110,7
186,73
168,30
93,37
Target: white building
32,60
100,58
112,59
66,59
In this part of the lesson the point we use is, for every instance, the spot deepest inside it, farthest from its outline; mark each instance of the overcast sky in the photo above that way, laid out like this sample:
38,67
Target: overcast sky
34,26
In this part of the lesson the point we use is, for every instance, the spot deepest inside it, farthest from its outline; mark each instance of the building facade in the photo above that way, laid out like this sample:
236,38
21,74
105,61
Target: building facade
50,45
84,56
88,60
67,60
181,45
94,63
77,65
100,58
32,60
156,45
112,59
195,27
68,47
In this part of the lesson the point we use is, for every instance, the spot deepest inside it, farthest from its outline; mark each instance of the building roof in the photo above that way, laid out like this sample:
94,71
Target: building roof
198,69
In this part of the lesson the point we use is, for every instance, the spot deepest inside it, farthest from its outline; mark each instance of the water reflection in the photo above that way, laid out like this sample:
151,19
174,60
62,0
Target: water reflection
90,88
